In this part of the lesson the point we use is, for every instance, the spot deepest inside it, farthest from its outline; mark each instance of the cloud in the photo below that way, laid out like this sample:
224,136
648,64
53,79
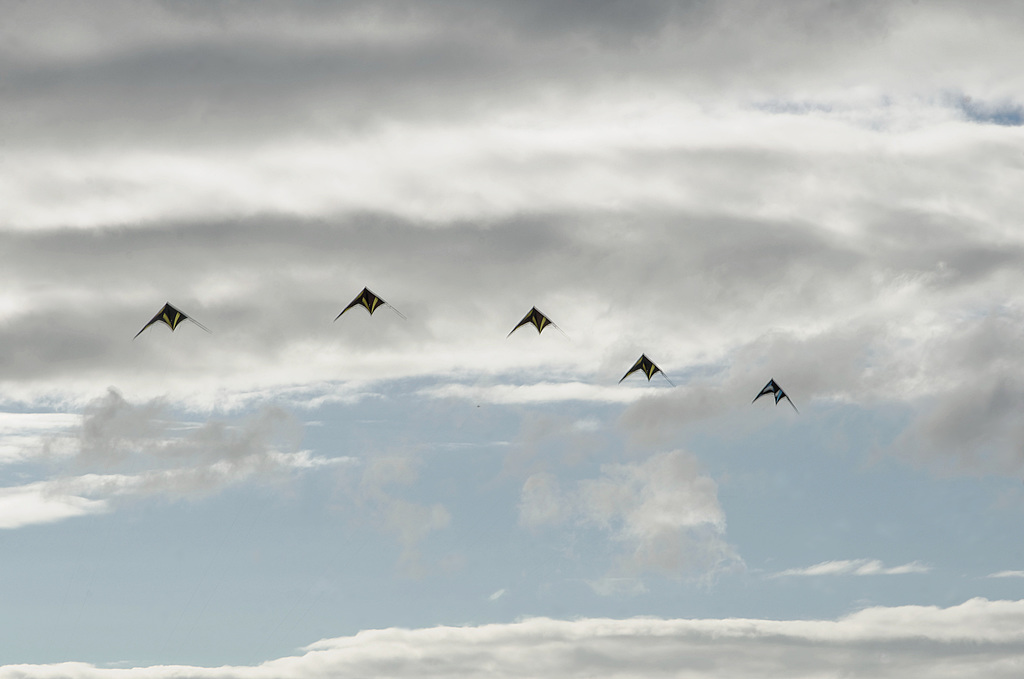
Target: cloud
544,392
968,423
410,522
122,449
25,435
752,182
115,431
854,567
36,503
662,512
315,66
973,639
203,75
1006,574
998,113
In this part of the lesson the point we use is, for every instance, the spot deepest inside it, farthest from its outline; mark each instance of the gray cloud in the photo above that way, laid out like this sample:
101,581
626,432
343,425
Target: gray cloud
972,422
716,300
116,434
225,73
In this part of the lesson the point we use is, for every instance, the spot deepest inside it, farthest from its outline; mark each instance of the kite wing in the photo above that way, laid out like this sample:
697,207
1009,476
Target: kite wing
775,390
648,368
769,388
369,301
172,317
537,319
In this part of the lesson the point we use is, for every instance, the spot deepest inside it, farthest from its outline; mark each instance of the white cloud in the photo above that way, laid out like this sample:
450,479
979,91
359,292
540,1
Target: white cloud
663,512
25,435
1006,574
37,503
585,147
978,638
854,567
67,497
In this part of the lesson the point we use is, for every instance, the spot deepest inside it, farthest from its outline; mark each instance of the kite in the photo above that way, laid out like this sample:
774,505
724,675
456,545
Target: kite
773,388
647,366
172,317
539,321
369,301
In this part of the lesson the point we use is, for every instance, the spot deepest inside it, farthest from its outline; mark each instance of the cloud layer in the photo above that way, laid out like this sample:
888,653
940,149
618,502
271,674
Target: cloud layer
976,638
742,192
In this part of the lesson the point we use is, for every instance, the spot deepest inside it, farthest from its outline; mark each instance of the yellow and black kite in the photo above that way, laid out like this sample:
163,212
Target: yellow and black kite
647,367
775,390
537,319
369,301
172,317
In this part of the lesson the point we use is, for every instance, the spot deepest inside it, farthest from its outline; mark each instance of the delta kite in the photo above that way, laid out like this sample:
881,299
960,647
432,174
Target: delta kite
774,389
647,367
172,317
370,301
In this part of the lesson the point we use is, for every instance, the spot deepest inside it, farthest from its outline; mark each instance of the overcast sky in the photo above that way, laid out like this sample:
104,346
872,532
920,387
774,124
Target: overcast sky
823,194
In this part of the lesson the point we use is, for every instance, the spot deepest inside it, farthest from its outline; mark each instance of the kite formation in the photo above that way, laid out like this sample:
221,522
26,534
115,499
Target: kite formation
371,301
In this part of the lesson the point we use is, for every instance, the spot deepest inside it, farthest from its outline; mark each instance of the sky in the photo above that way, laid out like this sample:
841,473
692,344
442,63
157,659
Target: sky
826,194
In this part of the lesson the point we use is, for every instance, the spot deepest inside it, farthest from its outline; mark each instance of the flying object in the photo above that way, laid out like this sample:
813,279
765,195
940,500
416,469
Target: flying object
369,301
172,317
539,321
648,368
773,388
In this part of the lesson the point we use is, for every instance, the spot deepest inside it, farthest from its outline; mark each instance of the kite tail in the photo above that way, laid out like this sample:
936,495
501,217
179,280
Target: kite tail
400,314
189,318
